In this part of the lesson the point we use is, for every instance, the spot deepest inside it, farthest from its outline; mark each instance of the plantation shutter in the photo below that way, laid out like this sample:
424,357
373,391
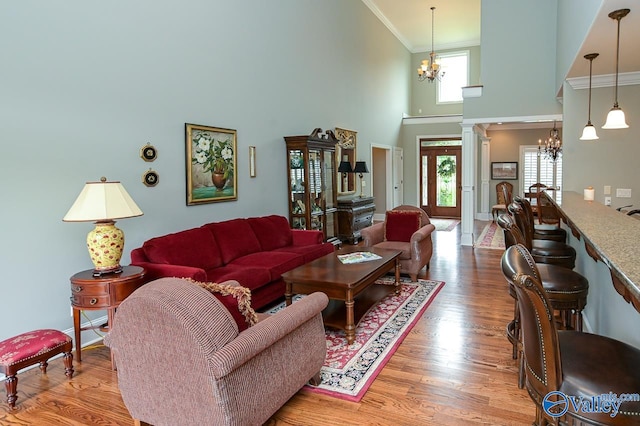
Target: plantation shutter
538,169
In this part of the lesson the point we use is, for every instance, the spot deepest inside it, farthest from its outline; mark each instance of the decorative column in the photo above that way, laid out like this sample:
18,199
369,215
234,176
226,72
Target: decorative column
468,179
485,176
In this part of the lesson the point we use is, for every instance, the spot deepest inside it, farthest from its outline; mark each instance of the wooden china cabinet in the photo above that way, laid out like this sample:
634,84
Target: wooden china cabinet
311,181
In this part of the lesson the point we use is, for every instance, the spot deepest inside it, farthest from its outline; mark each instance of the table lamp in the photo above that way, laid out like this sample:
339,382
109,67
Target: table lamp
360,168
103,202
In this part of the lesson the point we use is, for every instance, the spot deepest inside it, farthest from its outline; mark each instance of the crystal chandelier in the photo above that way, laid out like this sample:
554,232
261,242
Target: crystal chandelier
552,146
429,67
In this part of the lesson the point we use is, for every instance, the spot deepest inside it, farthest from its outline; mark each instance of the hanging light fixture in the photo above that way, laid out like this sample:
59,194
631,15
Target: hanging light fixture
589,132
615,118
552,146
429,68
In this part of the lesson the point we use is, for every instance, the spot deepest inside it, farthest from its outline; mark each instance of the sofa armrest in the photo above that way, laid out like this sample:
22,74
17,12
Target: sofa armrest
372,235
303,237
160,270
421,242
304,313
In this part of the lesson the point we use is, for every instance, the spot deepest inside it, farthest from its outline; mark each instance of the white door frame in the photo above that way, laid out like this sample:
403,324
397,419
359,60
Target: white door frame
388,172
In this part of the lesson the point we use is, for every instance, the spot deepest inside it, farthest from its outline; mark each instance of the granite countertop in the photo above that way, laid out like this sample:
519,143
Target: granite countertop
614,235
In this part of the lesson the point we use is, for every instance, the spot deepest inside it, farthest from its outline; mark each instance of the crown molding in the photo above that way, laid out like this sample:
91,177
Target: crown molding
605,80
388,24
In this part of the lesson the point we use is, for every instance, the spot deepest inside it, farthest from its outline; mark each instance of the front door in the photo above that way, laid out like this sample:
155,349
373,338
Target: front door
440,176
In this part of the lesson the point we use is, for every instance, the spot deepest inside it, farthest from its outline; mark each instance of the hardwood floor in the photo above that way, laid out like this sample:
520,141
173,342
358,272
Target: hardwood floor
454,368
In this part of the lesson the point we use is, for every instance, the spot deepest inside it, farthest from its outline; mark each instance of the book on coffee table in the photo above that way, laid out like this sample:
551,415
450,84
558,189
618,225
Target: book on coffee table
358,257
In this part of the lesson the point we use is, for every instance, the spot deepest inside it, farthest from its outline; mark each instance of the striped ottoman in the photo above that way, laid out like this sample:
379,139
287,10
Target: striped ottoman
31,348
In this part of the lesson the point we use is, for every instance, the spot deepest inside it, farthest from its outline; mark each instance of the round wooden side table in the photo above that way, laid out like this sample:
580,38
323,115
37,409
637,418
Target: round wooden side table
104,292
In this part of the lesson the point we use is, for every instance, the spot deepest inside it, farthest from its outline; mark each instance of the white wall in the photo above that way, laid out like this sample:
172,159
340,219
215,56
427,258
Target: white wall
611,160
518,60
86,84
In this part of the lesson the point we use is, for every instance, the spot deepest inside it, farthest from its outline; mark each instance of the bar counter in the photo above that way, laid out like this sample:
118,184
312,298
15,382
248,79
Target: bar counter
609,236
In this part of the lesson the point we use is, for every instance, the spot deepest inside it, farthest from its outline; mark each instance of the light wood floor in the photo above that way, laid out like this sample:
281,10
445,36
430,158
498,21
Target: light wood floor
454,368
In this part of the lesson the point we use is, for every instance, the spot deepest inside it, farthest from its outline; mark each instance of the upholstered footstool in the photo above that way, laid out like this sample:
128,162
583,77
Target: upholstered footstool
28,349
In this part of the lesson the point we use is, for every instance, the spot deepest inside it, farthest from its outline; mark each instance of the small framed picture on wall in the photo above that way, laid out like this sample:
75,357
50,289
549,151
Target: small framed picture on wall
504,171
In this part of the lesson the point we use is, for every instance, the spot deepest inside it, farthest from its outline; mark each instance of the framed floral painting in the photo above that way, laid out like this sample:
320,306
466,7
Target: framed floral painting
211,164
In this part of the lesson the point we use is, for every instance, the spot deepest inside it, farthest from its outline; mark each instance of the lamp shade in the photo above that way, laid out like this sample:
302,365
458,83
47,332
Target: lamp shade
101,201
589,133
361,167
616,119
345,167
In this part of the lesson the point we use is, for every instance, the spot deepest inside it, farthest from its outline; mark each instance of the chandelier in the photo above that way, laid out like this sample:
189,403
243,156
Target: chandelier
429,67
552,146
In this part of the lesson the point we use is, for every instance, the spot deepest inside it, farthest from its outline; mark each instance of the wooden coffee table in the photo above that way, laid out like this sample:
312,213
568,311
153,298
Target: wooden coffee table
344,284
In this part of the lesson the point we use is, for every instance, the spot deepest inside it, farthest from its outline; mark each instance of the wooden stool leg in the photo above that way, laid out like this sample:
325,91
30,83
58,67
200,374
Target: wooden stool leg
11,384
43,366
578,319
68,364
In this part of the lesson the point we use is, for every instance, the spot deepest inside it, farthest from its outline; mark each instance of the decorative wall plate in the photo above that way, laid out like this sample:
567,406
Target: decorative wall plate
148,152
150,178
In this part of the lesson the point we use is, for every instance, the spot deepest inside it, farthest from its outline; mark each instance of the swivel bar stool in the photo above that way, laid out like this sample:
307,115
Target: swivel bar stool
569,363
567,290
542,231
543,251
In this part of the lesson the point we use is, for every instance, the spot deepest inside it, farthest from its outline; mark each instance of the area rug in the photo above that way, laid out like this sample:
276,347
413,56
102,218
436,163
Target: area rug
349,370
491,237
444,224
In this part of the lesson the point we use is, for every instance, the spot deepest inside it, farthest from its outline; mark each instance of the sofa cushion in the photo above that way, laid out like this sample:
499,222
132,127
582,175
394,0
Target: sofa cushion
236,236
272,231
236,299
193,247
310,252
400,225
277,262
251,276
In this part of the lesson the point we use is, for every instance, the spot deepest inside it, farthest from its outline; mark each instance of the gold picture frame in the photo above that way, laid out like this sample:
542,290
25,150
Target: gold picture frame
211,164
346,151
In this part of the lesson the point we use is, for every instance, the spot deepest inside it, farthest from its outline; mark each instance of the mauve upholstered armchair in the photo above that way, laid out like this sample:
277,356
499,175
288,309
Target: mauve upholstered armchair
416,253
181,360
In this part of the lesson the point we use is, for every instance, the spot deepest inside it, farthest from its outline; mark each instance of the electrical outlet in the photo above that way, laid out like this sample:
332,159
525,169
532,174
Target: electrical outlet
607,201
607,190
623,192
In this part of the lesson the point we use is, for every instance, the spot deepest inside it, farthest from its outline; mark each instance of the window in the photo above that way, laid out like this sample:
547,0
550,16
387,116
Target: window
455,66
536,168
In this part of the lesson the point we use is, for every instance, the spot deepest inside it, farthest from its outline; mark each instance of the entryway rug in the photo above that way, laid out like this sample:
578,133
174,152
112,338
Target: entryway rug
492,237
348,371
444,224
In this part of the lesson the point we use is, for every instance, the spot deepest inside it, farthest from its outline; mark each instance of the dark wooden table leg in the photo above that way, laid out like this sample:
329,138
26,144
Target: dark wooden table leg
397,283
77,331
288,294
350,326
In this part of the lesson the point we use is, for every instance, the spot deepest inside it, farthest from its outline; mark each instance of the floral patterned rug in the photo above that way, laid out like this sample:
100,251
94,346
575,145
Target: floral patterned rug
491,237
348,371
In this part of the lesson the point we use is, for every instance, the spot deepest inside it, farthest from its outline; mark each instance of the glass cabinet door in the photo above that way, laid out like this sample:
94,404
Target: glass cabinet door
316,190
297,189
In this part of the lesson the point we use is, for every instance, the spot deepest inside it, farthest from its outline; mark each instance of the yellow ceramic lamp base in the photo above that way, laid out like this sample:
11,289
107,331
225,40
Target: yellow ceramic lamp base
105,243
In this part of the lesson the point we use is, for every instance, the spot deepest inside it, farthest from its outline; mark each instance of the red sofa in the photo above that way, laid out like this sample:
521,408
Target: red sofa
254,251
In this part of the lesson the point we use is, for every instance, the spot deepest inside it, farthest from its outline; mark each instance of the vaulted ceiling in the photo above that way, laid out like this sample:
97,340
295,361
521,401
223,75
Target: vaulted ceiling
457,24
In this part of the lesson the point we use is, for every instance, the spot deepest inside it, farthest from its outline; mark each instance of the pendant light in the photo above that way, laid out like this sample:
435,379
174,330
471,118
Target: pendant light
589,132
615,118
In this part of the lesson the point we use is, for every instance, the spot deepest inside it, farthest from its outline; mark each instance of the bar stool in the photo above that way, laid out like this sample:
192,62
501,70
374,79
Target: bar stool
543,251
560,364
567,290
541,231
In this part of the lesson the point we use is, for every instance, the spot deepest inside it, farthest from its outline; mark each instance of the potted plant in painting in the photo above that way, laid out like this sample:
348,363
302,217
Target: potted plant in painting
215,156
